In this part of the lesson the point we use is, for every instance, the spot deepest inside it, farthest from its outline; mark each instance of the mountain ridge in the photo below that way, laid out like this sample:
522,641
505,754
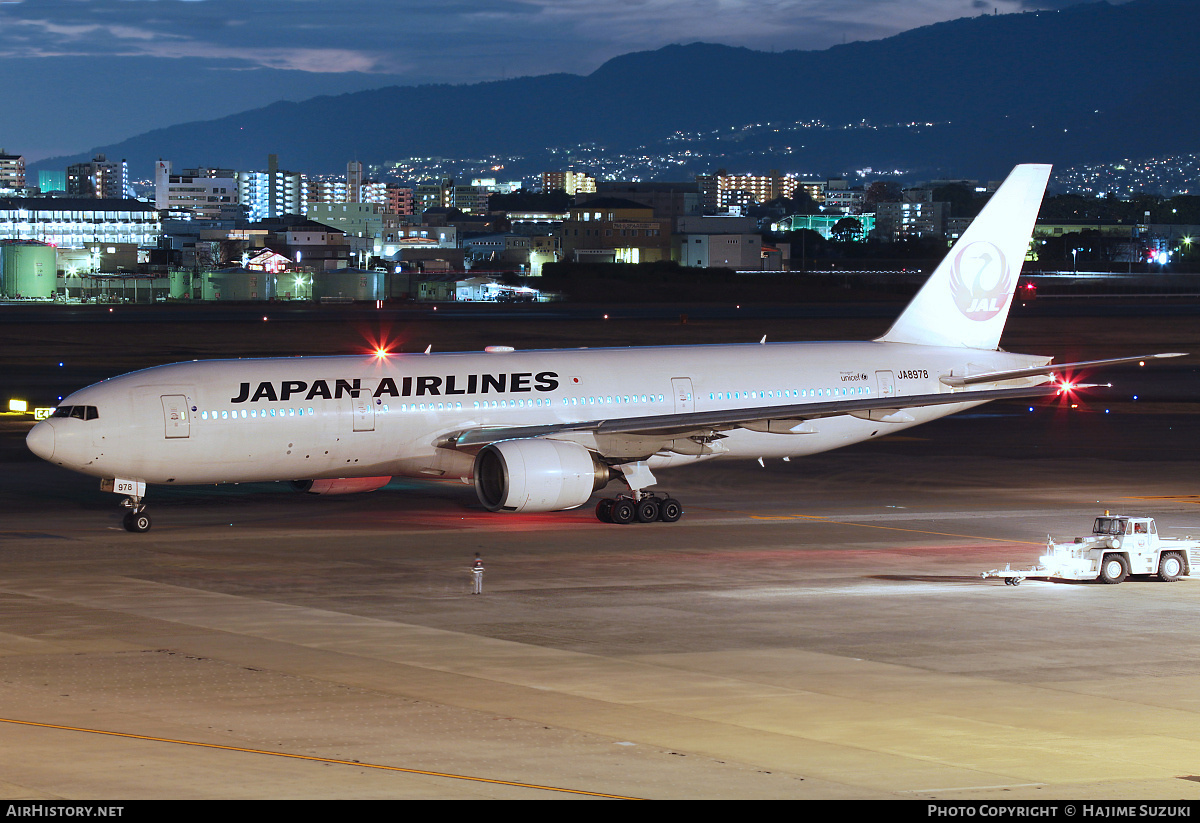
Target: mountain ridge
1068,86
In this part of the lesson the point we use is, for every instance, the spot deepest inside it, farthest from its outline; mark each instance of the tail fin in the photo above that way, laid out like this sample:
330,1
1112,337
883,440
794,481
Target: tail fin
965,301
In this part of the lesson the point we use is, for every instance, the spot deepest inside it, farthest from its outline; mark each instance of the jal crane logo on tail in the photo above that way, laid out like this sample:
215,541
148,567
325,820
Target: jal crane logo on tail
980,280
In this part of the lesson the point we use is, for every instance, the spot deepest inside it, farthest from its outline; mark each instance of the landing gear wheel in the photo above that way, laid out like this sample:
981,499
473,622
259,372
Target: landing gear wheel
604,510
1170,567
622,511
137,522
670,510
647,510
1113,569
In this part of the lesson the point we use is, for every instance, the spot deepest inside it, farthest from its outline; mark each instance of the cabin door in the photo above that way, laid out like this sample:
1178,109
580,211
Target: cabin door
685,401
176,417
887,383
362,408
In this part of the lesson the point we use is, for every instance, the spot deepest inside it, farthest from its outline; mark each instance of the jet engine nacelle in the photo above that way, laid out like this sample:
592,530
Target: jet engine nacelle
341,485
534,475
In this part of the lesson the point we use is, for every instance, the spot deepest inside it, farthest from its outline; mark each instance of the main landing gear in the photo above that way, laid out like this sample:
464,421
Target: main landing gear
136,519
646,508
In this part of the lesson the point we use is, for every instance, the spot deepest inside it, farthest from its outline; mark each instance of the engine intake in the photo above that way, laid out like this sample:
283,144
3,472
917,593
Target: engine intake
535,475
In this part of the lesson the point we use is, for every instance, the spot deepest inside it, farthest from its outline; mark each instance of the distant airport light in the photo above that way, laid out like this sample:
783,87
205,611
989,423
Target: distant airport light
18,406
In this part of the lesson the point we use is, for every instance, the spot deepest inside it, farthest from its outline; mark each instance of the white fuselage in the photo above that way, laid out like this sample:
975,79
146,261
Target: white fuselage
225,421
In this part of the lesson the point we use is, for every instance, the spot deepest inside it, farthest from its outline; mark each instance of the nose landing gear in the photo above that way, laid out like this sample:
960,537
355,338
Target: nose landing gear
136,519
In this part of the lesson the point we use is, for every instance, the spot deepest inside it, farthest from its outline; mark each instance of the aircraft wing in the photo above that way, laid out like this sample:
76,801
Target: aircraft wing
997,376
779,419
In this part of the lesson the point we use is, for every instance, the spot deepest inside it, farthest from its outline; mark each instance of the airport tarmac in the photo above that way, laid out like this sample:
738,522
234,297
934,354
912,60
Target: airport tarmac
810,629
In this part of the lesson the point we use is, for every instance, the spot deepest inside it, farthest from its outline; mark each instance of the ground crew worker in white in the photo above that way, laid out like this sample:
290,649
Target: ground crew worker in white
477,575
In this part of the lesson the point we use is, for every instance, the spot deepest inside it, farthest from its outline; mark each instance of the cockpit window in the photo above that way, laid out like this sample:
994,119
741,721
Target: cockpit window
78,412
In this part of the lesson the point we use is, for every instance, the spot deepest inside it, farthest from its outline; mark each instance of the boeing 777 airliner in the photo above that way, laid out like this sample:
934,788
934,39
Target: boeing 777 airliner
544,430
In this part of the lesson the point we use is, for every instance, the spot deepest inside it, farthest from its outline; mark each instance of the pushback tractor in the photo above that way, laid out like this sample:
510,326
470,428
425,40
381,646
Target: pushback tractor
1119,545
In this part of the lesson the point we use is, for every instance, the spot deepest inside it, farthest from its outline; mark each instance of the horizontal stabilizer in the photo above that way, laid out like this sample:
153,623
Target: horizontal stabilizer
1000,376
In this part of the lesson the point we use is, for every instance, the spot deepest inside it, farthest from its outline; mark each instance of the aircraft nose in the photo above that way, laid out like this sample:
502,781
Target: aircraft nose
40,440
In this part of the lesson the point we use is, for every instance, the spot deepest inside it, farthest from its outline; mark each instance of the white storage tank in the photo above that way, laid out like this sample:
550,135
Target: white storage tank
28,269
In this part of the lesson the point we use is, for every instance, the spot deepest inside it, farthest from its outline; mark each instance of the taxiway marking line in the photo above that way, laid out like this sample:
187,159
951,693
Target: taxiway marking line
1182,498
197,743
820,519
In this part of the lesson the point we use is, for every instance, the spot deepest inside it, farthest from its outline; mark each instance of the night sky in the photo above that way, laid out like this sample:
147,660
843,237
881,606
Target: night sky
81,73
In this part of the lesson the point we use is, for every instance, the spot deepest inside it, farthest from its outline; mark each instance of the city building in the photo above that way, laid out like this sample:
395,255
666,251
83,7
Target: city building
823,224
399,198
428,196
843,200
502,250
79,222
571,182
666,200
543,249
12,172
723,190
49,181
309,244
910,221
99,178
470,199
741,252
202,192
272,193
323,190
397,237
613,229
362,225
